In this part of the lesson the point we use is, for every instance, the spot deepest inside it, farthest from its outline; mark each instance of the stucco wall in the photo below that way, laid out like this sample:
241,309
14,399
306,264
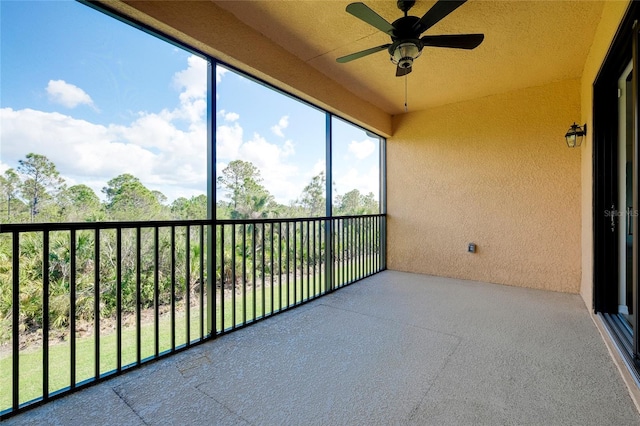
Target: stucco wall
612,15
494,171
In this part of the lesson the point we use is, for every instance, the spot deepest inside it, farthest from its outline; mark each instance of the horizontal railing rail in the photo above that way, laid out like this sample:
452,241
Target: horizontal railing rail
81,302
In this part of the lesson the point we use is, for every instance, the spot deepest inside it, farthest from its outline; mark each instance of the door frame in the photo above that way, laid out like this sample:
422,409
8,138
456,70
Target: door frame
605,182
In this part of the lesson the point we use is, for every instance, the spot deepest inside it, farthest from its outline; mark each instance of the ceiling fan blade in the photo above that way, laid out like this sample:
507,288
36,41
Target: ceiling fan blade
455,41
439,10
366,14
362,53
400,72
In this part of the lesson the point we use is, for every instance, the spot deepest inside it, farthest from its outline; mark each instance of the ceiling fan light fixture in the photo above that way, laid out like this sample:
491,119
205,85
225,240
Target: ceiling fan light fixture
404,54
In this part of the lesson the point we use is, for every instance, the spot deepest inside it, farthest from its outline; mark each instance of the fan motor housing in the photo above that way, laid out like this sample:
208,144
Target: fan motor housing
405,5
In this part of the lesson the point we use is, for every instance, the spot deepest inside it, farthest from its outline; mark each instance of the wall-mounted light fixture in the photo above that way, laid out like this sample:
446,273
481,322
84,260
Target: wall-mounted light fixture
575,134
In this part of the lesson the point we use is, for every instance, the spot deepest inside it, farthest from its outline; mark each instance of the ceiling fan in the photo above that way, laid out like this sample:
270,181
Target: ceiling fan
406,43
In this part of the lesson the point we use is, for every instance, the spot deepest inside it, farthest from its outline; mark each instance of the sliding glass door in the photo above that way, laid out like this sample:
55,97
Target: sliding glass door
616,118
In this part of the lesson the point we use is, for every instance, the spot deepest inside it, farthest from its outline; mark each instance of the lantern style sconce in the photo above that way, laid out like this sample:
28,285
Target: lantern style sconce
575,134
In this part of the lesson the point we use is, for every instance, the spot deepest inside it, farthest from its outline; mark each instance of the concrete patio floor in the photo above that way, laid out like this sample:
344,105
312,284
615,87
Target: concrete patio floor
396,348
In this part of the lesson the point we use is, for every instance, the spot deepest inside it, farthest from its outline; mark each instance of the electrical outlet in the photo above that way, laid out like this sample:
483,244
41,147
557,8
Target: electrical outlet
471,248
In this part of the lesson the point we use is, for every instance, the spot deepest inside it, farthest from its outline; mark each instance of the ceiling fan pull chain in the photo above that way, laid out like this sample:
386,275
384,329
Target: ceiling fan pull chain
406,108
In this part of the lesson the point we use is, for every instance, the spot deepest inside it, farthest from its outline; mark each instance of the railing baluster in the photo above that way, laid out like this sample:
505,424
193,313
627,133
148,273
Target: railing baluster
233,275
359,228
279,266
336,248
119,299
156,290
173,288
346,252
377,243
138,296
301,225
264,290
374,244
359,236
222,278
369,245
96,304
288,264
302,238
362,247
365,236
334,255
253,265
342,253
315,282
348,244
45,315
356,259
271,269
356,246
72,308
202,228
244,274
366,247
378,246
295,263
367,266
308,261
15,317
187,283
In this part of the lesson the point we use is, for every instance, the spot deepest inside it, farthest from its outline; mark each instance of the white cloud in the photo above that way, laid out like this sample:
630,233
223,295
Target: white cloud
220,72
363,149
231,116
364,181
228,116
153,147
281,179
193,85
288,149
68,95
3,167
192,81
228,141
319,166
283,123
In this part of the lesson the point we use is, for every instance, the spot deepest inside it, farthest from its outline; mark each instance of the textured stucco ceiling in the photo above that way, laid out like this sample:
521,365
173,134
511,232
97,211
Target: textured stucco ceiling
527,43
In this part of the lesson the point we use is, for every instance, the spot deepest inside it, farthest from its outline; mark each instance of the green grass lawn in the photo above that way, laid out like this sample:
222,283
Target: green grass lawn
305,287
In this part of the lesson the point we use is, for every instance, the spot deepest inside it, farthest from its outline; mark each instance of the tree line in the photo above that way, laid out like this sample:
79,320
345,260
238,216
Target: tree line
249,199
35,192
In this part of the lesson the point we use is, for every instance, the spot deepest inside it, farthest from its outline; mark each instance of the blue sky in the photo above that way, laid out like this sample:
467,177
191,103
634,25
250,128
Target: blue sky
100,98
